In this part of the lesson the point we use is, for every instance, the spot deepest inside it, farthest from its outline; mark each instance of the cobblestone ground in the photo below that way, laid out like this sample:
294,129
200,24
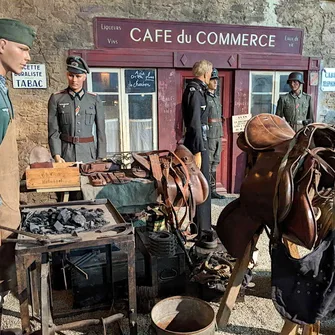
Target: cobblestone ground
256,315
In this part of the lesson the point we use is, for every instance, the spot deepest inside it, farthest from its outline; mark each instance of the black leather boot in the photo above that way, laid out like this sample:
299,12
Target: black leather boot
214,194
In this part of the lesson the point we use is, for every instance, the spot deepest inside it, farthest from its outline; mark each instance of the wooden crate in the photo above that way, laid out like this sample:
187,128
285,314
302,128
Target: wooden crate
62,175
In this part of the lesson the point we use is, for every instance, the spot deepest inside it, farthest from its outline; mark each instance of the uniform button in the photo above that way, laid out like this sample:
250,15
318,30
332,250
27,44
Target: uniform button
298,282
78,131
78,114
298,291
78,122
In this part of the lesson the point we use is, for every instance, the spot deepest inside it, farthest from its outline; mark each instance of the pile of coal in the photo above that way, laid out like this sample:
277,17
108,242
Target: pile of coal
63,220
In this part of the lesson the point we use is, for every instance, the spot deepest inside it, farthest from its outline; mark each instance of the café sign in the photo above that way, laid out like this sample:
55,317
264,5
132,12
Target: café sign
145,34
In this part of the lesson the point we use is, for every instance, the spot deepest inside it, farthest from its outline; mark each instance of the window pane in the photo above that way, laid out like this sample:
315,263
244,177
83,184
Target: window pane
140,106
283,86
111,106
140,122
105,82
261,104
140,81
262,83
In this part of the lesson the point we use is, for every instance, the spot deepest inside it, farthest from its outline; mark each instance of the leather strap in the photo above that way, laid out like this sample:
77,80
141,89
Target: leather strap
76,139
214,120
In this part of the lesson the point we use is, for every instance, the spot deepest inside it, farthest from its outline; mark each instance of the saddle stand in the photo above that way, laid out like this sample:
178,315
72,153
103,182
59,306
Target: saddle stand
234,285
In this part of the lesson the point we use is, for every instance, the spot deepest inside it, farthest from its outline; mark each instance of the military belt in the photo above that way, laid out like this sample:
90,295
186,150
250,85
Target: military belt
214,120
76,139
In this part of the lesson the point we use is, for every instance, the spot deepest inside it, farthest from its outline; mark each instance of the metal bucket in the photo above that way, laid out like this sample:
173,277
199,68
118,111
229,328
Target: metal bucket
183,315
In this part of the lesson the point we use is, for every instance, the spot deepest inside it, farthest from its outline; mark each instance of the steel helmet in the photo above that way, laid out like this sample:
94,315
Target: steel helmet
215,74
296,76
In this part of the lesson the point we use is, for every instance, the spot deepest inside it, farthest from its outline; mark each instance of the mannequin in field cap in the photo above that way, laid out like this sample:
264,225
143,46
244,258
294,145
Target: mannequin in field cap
16,39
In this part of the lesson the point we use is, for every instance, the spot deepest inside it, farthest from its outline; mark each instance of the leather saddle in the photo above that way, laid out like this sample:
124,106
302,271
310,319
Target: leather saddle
179,182
287,175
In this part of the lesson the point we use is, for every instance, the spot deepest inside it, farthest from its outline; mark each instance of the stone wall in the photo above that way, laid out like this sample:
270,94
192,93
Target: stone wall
62,25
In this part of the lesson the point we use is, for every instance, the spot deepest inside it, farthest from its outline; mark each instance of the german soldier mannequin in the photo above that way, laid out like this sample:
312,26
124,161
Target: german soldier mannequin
296,106
16,39
196,123
215,131
72,113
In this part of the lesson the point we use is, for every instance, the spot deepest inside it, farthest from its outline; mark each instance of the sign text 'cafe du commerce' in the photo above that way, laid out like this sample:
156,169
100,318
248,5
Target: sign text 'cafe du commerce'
126,33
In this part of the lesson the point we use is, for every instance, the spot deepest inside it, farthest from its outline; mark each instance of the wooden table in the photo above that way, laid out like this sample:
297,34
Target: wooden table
33,260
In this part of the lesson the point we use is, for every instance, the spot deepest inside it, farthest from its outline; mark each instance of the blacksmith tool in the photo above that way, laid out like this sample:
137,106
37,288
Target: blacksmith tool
36,238
118,230
82,323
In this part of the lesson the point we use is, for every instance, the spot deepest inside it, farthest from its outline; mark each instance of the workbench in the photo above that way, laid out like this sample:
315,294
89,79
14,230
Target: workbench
33,260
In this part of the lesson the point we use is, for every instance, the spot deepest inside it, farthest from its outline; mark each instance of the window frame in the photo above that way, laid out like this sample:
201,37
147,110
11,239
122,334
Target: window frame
124,104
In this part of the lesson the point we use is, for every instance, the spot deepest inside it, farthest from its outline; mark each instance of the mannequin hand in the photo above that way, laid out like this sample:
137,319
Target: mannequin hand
197,159
59,159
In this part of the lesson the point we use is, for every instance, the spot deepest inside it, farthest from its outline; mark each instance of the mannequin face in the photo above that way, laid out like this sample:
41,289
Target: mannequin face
295,86
76,81
213,84
207,76
13,56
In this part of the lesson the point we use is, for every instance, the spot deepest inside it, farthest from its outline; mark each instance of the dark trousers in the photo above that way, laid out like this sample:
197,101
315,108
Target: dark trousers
203,217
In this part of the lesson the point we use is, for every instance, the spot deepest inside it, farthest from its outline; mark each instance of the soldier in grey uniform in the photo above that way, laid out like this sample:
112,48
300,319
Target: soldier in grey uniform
72,113
215,131
296,106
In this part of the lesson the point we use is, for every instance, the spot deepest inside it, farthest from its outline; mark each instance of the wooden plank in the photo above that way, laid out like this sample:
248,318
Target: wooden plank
61,175
289,328
234,285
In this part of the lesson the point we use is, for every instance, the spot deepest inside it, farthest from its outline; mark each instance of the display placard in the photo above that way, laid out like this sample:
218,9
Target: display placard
140,81
239,122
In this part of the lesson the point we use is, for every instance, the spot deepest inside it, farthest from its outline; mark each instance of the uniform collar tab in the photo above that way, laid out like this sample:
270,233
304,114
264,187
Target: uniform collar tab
73,94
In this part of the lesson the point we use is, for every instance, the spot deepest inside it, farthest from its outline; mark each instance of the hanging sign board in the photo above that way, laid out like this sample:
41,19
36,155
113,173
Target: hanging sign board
328,80
239,122
176,36
32,76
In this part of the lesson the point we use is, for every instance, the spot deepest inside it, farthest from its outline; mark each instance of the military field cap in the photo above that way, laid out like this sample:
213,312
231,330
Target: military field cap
16,31
76,64
215,74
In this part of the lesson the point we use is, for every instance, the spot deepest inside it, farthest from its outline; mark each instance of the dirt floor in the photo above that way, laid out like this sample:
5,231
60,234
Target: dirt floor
256,315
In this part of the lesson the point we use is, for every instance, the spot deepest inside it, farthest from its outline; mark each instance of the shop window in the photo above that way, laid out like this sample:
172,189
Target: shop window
130,100
265,90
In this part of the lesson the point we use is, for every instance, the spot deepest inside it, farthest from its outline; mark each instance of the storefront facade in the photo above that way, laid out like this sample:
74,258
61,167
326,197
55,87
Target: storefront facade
161,40
140,67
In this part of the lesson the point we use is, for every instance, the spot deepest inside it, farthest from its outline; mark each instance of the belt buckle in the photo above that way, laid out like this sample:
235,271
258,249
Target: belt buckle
75,139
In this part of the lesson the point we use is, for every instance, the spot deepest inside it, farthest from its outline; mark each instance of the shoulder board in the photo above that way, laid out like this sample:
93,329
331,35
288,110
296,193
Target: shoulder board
94,94
60,92
305,93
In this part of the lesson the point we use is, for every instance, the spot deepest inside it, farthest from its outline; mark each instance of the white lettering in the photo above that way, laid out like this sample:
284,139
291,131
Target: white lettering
272,41
253,39
147,36
167,36
245,38
132,34
236,41
210,41
198,37
224,40
260,40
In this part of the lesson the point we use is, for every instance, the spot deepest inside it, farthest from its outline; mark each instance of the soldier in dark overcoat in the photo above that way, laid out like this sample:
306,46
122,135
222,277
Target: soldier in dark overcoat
195,117
72,115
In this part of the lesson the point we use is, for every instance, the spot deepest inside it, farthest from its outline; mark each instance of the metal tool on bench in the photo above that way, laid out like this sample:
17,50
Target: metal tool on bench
119,229
83,323
36,238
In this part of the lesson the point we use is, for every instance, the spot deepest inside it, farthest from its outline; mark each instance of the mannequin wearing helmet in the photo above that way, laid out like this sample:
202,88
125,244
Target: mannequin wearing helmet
296,106
215,131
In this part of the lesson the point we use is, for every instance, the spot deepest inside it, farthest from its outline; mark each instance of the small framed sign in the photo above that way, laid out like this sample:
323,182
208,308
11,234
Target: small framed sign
32,76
